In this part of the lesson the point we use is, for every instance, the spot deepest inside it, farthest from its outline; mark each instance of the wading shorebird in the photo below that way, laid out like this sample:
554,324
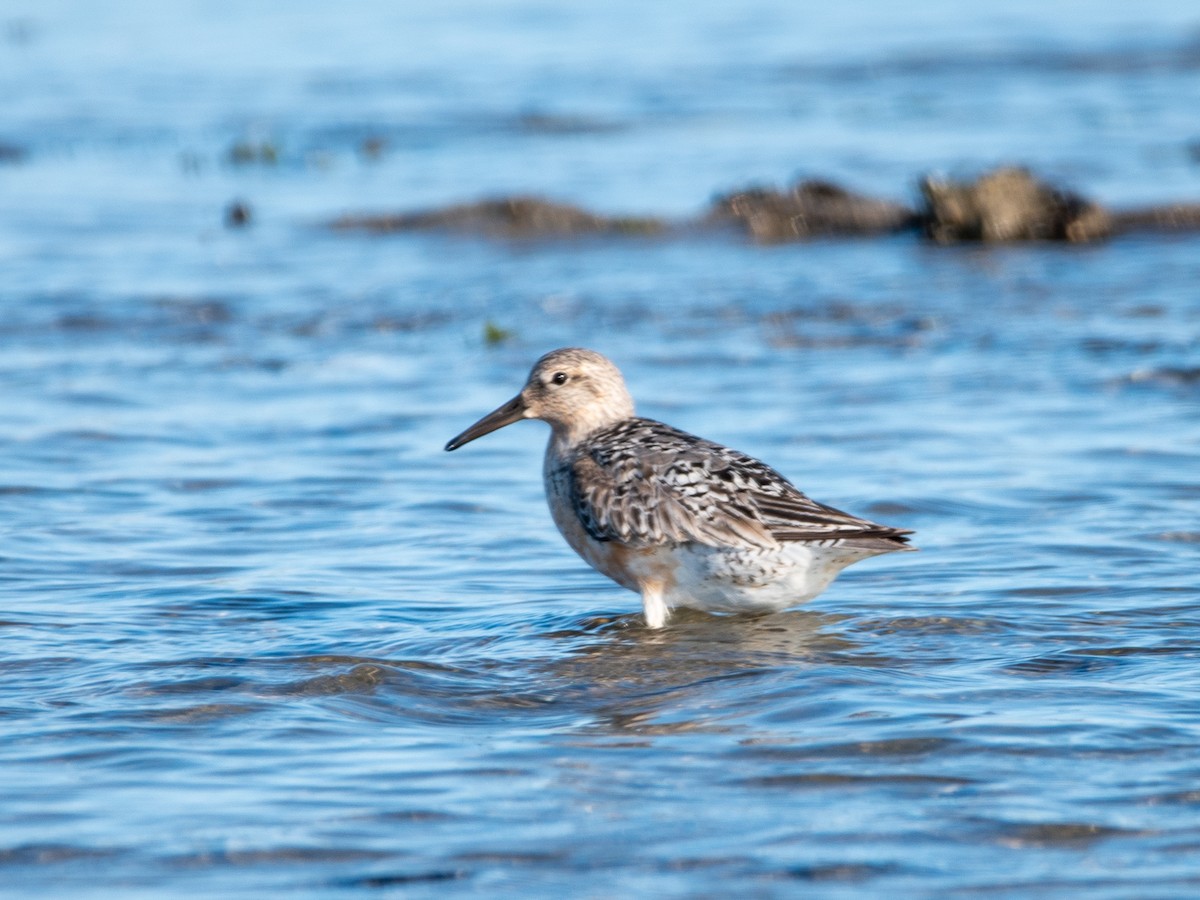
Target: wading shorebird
678,519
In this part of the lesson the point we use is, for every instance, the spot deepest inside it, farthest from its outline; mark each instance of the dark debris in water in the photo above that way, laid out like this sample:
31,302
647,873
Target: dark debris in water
504,217
1185,537
837,329
1009,204
1005,205
1053,61
262,153
808,209
238,214
196,316
1168,375
195,310
52,854
1059,834
273,856
564,124
401,879
842,872
494,335
11,154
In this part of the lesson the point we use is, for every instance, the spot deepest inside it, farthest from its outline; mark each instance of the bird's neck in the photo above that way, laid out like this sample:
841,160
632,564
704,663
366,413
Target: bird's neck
564,436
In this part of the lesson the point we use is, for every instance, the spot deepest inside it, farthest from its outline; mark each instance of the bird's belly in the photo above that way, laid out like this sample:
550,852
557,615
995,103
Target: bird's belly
751,580
719,579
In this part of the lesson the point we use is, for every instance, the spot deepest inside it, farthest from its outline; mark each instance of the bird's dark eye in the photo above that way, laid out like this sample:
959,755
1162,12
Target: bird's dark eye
559,378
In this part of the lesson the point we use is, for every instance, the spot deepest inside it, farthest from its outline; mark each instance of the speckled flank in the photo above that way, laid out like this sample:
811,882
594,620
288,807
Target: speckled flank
681,520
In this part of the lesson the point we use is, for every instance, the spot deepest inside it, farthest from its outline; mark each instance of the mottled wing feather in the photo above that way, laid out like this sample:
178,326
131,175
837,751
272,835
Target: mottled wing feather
643,506
646,484
799,518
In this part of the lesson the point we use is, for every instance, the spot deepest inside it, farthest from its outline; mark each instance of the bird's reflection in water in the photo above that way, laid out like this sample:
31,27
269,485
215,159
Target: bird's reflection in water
694,674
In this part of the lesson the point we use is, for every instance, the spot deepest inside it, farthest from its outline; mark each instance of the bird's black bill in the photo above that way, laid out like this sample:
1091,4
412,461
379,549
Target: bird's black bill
510,412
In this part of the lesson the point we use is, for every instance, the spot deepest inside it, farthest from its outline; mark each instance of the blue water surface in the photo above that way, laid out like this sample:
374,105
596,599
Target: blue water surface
260,636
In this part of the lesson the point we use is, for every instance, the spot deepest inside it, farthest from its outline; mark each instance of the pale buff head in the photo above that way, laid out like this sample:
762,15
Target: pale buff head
576,391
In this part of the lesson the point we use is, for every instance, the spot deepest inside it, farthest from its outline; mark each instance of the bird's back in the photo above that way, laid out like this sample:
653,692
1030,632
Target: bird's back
644,483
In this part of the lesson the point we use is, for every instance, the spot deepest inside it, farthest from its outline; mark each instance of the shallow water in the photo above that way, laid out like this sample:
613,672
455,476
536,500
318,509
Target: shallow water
259,634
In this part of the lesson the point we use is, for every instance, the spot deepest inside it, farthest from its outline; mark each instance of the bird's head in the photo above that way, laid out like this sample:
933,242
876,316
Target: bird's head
576,391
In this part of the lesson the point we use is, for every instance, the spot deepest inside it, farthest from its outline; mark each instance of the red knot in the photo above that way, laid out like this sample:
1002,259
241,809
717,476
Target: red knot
678,519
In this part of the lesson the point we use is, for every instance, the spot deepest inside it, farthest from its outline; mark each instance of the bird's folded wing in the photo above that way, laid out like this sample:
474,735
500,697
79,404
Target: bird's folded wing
794,517
655,499
685,489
